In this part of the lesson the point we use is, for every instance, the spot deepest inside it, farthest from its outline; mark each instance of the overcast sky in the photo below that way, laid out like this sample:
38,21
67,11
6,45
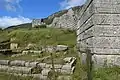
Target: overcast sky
14,12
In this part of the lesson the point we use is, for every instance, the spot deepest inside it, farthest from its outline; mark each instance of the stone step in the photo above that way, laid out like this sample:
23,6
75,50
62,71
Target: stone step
24,70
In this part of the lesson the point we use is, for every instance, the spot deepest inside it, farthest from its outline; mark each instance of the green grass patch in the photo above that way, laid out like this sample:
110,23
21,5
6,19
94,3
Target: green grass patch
47,36
5,76
108,73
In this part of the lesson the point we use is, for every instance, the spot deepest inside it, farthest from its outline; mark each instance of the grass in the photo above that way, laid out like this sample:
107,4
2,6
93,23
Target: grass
5,76
108,73
44,36
50,36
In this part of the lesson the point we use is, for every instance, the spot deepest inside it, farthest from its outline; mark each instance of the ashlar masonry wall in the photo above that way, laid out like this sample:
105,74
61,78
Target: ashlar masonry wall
99,31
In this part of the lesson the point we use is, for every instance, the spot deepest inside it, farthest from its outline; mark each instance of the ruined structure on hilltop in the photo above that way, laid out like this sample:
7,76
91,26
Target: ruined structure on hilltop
63,19
37,22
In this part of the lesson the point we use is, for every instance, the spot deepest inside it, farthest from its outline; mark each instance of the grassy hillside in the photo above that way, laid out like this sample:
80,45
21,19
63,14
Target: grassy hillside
44,36
23,26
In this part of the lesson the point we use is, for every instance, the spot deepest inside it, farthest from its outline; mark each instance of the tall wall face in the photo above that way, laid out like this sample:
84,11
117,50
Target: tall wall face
99,31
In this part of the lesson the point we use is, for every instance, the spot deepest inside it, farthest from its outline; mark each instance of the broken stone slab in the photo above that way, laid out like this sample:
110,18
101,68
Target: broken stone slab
105,60
45,72
24,70
67,67
58,70
4,68
42,65
61,48
73,62
68,59
73,69
4,62
48,49
17,63
25,52
17,55
58,66
48,66
66,72
37,52
64,78
31,64
39,76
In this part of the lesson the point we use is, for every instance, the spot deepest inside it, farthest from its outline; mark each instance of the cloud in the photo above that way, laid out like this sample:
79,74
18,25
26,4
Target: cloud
66,4
11,5
10,21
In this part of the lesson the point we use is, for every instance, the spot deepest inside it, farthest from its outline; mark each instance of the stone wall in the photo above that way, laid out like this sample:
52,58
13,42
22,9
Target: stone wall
37,22
99,31
67,20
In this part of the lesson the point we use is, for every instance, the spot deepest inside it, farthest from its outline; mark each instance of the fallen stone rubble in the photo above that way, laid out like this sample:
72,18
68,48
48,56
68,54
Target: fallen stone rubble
43,69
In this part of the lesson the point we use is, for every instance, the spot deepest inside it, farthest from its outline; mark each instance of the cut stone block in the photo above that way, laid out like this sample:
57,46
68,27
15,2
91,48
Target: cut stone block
25,52
61,48
66,72
17,63
105,60
31,64
67,67
4,68
24,70
64,78
42,65
83,58
37,52
58,66
73,62
4,62
68,59
48,66
45,72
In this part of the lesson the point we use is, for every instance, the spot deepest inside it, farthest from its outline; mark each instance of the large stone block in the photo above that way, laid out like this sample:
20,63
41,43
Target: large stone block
86,15
104,19
106,42
105,51
106,1
83,58
4,62
86,34
42,65
105,60
85,26
17,63
24,70
107,8
106,31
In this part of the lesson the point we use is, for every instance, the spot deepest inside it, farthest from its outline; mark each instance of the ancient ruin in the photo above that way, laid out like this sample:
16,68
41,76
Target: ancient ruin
98,32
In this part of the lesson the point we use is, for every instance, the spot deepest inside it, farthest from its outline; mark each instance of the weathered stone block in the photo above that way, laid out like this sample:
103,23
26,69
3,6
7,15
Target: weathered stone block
86,15
42,65
45,72
68,59
24,70
106,42
17,63
103,19
4,68
4,62
105,51
105,60
106,31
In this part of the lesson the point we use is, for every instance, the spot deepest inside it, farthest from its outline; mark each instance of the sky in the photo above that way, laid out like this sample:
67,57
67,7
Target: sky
15,12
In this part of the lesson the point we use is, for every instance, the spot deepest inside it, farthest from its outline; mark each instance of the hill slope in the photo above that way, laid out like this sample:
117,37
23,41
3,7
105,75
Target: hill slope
62,19
44,36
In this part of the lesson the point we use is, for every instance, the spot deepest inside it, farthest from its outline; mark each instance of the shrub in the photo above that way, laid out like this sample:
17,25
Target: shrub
41,26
